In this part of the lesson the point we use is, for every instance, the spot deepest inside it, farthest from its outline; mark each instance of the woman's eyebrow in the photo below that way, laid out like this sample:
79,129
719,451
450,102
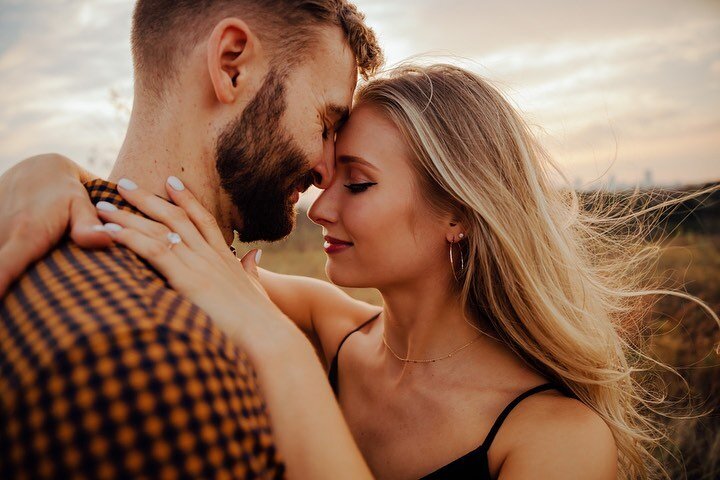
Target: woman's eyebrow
346,159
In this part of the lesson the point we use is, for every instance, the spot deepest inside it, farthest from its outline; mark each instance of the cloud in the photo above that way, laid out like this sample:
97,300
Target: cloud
58,64
484,27
604,82
634,82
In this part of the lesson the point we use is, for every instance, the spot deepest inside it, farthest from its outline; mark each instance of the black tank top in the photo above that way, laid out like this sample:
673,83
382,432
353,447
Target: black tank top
474,464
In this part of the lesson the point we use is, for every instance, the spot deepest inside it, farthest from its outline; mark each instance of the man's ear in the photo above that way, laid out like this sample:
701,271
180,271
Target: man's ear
232,50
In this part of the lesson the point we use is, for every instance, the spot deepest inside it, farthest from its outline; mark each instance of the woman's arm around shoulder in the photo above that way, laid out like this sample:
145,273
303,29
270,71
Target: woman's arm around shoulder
559,438
323,311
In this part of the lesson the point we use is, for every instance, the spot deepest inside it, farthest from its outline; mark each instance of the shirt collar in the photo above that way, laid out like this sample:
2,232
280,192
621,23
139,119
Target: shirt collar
103,191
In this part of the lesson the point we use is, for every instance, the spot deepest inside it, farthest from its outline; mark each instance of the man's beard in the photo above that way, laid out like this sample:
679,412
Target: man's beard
260,166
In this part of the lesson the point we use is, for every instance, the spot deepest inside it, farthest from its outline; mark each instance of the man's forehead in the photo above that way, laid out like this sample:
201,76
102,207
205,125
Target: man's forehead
338,88
335,68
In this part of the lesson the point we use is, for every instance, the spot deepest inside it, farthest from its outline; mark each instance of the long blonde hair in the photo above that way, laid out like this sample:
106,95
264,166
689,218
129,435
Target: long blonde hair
563,286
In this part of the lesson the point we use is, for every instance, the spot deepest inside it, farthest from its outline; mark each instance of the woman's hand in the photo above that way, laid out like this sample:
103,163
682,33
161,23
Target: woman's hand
183,242
39,198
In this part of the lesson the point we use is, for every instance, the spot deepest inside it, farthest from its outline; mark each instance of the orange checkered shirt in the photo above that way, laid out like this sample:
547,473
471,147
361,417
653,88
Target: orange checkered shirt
106,372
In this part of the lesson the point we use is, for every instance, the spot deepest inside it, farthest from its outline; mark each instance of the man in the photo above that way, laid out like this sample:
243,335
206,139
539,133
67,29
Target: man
105,371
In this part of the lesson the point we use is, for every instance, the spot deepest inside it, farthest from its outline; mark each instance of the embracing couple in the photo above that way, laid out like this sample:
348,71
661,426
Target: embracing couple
138,345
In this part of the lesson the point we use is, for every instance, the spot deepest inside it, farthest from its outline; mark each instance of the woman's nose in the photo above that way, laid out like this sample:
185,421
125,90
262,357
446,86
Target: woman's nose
323,211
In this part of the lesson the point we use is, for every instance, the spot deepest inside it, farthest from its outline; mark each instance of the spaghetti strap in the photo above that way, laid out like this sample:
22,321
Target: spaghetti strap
353,331
501,418
333,373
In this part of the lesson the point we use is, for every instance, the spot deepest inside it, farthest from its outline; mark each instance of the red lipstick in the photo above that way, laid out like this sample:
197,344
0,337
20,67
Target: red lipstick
335,245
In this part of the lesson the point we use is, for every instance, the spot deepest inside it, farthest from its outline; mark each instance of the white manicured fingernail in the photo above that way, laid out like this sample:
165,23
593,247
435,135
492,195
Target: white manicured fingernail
126,184
112,227
176,183
99,228
106,207
258,256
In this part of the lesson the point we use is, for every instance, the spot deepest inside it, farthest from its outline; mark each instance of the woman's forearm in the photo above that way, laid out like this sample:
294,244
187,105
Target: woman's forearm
308,425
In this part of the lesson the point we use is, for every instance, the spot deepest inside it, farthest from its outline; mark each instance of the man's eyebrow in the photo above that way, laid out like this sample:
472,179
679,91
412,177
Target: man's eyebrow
341,112
346,159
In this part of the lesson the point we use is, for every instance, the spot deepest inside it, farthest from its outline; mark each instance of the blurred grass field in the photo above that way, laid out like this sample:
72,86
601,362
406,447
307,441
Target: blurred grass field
683,335
685,338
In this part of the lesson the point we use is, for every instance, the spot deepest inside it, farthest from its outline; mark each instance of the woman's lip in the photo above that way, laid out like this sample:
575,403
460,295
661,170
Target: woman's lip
335,245
335,241
331,248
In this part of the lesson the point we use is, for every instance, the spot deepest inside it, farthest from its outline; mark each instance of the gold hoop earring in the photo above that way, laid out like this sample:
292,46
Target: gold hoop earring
452,261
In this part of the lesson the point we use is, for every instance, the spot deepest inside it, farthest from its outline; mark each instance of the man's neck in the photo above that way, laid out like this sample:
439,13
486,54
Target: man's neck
169,145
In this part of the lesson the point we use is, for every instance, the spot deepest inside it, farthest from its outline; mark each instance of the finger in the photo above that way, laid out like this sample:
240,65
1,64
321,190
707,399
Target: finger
156,252
151,228
85,226
160,210
204,221
250,262
119,220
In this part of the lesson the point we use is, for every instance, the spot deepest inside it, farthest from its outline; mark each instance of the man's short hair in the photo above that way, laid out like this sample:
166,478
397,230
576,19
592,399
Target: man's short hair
164,31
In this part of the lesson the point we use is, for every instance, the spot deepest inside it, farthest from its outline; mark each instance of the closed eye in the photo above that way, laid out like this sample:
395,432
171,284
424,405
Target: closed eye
359,187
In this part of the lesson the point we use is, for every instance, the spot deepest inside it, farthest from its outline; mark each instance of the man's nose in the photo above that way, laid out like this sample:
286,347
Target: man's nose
324,171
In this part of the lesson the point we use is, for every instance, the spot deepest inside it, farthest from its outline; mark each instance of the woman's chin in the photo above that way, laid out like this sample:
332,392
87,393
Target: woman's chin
341,276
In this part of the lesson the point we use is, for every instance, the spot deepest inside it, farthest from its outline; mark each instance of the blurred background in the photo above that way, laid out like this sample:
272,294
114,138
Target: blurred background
623,94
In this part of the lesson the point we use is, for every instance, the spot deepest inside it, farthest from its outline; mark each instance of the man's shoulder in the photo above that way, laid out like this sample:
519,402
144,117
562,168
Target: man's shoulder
95,289
99,340
74,275
76,296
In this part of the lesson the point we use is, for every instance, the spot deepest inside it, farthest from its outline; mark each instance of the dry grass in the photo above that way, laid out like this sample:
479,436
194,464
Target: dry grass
685,338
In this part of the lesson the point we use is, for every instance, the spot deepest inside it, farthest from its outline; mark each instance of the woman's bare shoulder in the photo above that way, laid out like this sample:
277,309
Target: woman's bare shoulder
334,313
340,315
551,435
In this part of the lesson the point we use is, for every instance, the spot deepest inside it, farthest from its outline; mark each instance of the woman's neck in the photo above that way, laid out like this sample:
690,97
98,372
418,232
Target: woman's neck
423,321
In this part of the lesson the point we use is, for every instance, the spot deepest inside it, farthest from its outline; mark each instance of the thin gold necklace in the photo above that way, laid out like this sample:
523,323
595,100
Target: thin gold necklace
408,360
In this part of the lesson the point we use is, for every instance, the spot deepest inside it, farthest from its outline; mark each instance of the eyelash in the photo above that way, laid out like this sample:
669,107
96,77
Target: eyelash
359,187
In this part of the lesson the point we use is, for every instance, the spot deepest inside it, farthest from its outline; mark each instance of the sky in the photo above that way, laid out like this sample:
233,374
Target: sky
619,92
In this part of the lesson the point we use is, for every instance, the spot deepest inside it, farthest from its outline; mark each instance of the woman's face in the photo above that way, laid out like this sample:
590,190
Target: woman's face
378,228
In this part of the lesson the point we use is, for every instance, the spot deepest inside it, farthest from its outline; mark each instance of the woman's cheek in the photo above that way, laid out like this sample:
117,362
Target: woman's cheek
368,218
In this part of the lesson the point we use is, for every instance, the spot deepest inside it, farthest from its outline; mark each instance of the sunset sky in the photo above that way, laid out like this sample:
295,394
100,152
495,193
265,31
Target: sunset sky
628,87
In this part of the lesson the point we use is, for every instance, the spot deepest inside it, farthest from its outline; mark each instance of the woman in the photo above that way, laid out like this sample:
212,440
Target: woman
501,349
